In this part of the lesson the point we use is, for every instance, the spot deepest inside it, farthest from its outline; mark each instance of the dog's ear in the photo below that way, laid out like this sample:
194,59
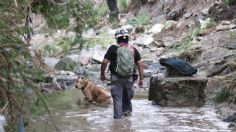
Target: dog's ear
85,83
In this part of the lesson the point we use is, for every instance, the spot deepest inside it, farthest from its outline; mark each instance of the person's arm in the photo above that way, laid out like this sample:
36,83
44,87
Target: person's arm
140,71
137,59
103,68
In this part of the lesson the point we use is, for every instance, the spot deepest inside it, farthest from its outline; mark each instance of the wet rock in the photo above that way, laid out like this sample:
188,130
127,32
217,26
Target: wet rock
64,79
230,118
81,70
147,63
233,125
232,45
157,28
156,66
177,91
148,73
66,64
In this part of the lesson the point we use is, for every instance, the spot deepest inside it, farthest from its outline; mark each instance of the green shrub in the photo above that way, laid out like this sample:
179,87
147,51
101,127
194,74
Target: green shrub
183,45
222,95
208,23
18,67
122,5
229,2
140,20
196,32
168,24
101,11
102,39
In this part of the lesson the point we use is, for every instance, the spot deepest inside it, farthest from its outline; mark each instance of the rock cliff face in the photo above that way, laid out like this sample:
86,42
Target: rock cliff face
178,91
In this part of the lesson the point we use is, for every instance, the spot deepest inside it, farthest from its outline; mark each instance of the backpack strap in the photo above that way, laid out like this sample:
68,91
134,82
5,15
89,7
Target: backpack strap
131,48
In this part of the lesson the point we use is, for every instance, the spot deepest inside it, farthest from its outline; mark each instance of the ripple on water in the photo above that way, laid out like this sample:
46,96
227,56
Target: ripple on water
148,118
145,118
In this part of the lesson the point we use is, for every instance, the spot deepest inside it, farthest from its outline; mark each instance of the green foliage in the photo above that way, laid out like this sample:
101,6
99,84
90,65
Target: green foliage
140,20
61,46
122,5
229,2
168,24
102,39
58,15
208,23
183,45
19,70
222,95
101,11
196,32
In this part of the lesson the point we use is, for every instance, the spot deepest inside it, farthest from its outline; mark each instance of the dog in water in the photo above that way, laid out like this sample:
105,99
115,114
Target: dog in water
93,93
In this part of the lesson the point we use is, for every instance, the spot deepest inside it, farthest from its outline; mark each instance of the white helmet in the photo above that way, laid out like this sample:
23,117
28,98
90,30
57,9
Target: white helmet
121,32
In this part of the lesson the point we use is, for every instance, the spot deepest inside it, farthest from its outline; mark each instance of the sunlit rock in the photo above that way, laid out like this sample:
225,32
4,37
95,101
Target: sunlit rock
157,28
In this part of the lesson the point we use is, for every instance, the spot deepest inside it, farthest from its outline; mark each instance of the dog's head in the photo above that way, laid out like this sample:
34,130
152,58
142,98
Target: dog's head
81,84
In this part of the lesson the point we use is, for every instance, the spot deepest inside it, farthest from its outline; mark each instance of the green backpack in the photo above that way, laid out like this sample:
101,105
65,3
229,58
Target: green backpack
125,61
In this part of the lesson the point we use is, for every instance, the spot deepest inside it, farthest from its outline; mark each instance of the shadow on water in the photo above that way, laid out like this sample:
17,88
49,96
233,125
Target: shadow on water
146,117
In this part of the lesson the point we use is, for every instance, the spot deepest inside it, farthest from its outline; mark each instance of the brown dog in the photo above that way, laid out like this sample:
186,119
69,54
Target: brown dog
93,92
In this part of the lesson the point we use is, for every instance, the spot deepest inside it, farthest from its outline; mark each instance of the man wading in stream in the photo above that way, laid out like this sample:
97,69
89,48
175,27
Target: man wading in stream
123,58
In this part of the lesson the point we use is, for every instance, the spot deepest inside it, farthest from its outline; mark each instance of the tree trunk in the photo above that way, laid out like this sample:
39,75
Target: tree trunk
114,11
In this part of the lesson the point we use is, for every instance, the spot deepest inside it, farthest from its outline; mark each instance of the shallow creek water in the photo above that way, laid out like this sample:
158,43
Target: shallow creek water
72,117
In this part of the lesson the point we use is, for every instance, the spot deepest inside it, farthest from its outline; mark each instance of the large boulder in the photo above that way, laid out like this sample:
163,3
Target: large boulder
66,64
177,91
222,11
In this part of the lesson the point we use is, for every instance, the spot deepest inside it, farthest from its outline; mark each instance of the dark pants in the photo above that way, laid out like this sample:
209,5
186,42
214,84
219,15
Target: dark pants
122,93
